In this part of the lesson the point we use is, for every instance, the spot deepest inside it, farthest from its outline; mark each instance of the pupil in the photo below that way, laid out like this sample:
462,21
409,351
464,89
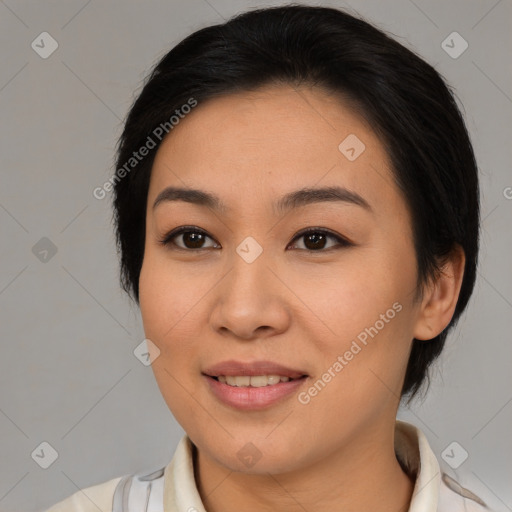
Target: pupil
317,241
193,240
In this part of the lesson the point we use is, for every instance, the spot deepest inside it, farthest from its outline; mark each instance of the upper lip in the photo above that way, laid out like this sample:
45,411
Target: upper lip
254,368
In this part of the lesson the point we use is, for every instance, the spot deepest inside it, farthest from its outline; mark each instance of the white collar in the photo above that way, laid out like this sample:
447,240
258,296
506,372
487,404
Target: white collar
414,452
411,448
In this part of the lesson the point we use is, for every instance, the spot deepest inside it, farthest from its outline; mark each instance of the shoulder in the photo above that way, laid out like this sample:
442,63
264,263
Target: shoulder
91,499
122,494
140,491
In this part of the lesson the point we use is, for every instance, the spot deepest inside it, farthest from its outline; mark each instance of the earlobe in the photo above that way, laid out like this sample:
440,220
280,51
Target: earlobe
440,297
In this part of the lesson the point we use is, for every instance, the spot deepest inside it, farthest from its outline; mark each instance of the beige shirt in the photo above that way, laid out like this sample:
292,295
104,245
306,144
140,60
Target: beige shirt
434,491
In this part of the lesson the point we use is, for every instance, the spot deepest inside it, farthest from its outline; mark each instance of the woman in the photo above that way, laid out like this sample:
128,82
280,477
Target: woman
297,214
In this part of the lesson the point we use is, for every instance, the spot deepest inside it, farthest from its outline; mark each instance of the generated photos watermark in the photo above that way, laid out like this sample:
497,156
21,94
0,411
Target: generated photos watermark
356,347
151,142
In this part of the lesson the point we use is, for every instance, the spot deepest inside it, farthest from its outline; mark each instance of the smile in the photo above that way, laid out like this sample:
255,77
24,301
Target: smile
253,385
257,381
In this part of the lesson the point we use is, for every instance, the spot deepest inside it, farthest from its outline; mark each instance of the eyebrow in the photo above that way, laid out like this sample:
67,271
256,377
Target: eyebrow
295,199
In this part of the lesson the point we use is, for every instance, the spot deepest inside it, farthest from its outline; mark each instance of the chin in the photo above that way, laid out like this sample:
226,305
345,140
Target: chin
254,454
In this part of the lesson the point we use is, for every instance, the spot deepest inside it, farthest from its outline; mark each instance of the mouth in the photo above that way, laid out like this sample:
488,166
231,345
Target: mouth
256,381
254,385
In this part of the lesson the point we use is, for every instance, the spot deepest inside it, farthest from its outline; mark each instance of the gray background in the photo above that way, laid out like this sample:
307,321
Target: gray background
68,375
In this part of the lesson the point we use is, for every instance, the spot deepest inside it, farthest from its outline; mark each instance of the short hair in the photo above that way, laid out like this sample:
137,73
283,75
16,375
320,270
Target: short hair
407,102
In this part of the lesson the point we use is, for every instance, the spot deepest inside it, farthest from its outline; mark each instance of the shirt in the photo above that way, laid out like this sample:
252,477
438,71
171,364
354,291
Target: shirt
174,485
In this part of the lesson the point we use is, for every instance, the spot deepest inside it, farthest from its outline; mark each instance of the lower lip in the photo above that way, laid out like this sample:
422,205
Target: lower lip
249,398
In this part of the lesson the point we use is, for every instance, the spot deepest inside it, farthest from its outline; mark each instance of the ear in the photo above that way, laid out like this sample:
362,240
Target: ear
440,297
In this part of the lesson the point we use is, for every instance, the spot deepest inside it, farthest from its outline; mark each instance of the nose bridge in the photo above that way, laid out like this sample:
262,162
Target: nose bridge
249,269
247,300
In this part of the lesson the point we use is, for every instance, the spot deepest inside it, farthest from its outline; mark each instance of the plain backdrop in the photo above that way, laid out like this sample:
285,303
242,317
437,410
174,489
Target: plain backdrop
68,373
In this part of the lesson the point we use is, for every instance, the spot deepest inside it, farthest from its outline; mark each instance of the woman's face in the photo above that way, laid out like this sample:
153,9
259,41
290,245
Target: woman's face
245,293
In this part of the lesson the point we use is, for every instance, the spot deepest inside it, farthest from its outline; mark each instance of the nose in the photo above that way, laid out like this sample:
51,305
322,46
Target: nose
250,302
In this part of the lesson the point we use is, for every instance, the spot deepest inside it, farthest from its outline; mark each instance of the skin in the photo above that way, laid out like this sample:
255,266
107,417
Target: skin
298,307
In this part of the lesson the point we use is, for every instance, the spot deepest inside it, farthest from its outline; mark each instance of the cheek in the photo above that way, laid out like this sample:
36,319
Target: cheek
340,301
167,295
174,318
361,373
364,313
165,300
154,301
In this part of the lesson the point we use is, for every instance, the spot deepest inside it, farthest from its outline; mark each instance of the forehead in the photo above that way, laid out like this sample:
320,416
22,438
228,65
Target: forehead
249,146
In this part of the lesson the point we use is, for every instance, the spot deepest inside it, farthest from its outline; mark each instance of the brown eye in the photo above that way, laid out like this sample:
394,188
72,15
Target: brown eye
317,239
193,240
189,238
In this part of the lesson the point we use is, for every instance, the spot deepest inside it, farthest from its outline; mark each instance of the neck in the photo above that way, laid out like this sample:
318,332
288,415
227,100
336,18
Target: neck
363,474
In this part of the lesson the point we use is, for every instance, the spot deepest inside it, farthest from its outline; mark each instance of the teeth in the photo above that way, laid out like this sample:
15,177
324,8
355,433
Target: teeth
257,381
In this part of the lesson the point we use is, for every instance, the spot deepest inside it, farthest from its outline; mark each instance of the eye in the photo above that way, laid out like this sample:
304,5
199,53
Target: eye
317,239
313,239
189,237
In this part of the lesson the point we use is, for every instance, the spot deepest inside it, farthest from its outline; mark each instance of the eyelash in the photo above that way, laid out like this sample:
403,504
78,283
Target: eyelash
167,239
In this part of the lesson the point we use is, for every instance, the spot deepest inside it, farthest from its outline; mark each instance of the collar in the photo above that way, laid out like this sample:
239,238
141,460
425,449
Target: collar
411,448
418,460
